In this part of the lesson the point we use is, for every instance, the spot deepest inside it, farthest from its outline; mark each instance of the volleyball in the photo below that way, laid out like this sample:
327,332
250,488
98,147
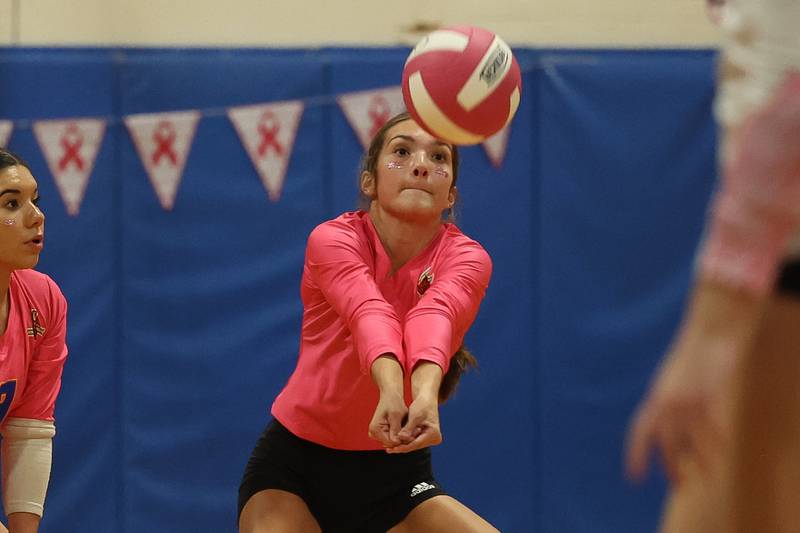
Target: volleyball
462,84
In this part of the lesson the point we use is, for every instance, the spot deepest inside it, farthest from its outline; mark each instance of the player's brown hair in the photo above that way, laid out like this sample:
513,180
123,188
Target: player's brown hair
462,361
10,159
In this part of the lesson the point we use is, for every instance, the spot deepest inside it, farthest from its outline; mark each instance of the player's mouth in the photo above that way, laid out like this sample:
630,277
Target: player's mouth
37,243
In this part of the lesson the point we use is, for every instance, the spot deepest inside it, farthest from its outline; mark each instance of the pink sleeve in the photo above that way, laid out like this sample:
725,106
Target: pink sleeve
43,381
435,327
757,208
745,243
335,262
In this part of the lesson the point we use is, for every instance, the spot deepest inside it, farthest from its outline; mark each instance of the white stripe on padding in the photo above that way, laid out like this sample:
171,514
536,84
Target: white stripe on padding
434,118
440,40
477,89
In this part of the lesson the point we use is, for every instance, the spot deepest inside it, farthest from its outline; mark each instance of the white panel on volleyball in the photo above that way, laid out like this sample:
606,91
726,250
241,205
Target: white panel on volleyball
434,118
487,76
440,40
513,105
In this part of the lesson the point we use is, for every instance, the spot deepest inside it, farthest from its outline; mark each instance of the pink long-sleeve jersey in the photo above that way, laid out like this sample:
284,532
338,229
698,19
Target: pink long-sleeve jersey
754,223
355,309
757,209
33,348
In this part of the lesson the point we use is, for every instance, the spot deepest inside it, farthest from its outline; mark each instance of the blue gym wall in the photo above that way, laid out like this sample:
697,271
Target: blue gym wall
183,325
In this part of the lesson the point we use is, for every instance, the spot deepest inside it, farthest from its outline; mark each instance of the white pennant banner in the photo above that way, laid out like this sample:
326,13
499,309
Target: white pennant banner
367,111
70,148
268,133
6,127
496,146
163,141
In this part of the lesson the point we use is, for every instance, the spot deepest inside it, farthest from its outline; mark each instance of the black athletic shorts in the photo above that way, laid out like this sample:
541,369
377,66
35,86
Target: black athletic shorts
789,278
346,491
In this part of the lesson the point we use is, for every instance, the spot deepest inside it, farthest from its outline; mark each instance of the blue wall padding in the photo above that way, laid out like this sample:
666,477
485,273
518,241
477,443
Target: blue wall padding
184,324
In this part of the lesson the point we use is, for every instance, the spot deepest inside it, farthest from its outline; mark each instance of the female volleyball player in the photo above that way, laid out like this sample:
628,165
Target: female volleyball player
32,348
388,295
725,406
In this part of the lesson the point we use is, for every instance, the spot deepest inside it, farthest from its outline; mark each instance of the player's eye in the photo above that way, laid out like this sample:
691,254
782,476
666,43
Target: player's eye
12,204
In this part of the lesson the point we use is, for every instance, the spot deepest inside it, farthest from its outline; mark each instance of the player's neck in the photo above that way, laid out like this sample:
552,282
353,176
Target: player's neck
403,239
5,281
4,300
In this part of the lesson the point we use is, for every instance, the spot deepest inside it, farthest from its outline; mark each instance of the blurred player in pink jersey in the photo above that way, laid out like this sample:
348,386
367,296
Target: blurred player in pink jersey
33,315
388,295
724,409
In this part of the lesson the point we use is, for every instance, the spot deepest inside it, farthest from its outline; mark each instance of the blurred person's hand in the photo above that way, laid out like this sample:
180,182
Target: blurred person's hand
686,411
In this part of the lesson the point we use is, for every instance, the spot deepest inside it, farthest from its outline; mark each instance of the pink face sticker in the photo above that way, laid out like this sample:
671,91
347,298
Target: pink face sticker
393,165
441,172
9,222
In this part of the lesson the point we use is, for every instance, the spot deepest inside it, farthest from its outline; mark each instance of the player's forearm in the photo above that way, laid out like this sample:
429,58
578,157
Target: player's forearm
23,523
388,374
426,379
724,315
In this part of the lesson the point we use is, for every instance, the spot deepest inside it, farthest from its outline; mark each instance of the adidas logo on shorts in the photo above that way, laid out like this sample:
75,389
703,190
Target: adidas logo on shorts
419,488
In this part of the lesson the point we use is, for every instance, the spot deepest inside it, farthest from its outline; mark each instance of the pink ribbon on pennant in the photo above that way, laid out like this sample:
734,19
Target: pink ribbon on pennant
71,141
379,112
269,127
164,136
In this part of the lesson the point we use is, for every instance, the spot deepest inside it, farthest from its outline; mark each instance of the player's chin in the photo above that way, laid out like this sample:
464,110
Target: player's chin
423,209
28,261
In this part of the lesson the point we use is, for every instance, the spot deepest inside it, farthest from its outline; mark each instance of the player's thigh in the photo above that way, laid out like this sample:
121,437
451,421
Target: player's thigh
276,511
765,480
696,504
443,514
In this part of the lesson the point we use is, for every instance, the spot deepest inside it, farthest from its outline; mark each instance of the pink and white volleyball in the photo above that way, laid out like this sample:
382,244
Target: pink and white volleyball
462,84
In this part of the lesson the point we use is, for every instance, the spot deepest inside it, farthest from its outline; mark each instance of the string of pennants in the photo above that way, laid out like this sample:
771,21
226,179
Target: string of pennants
163,141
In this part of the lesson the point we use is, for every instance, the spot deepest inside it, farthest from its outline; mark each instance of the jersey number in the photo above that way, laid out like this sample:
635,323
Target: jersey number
7,390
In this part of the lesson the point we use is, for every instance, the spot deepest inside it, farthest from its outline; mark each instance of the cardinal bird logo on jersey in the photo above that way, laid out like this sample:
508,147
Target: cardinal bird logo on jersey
36,329
424,281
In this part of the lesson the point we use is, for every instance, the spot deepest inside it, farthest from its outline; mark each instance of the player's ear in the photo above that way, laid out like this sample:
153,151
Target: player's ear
368,184
452,197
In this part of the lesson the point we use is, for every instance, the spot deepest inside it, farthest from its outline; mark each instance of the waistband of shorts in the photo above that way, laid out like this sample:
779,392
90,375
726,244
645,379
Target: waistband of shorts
789,278
279,430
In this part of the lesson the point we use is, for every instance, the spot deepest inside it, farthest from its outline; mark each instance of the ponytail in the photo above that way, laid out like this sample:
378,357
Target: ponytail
462,361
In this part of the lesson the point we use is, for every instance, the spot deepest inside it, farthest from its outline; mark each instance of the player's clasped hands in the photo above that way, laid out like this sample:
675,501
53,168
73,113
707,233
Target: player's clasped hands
422,427
404,429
